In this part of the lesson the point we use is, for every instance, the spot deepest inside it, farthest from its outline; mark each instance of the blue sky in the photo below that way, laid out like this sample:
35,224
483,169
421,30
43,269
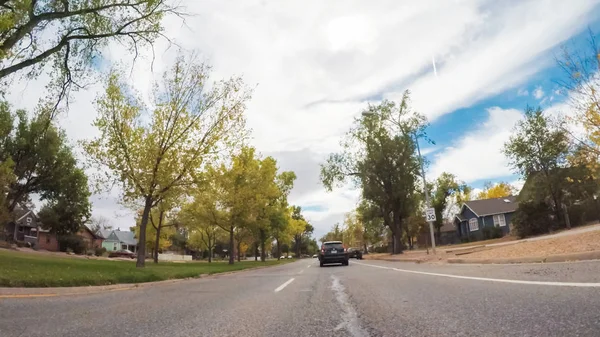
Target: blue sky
314,65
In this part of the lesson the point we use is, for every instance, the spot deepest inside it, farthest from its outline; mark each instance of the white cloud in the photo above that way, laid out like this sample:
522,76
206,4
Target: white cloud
538,93
478,155
315,64
522,92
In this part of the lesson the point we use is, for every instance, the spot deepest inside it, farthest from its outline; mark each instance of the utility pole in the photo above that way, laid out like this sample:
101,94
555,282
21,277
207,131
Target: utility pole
426,197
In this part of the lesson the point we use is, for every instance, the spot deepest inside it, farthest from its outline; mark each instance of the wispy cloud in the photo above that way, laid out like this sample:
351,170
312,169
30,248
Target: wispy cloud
538,93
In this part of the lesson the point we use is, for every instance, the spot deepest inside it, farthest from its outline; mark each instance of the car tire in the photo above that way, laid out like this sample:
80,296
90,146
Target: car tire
345,263
320,264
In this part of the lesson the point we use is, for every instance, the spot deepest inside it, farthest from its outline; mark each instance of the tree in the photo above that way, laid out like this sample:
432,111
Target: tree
165,225
42,162
302,229
69,208
70,34
446,185
99,223
204,217
279,215
370,217
186,129
157,234
379,157
6,179
582,85
538,147
498,190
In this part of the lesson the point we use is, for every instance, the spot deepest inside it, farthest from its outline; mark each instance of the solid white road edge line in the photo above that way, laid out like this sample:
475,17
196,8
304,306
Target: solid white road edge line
541,283
280,288
301,270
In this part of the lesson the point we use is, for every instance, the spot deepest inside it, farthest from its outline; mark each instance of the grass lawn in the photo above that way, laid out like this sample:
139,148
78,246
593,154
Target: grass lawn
37,270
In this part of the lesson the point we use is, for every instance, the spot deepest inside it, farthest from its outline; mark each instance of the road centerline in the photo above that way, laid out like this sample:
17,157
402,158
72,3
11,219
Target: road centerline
499,280
280,288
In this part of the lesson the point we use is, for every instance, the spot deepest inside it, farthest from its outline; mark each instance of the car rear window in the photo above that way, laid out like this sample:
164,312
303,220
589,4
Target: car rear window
334,246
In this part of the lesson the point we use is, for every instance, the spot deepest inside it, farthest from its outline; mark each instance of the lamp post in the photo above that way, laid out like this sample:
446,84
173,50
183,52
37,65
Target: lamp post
367,114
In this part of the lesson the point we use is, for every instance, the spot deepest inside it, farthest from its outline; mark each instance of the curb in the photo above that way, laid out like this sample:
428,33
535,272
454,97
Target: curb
9,292
583,256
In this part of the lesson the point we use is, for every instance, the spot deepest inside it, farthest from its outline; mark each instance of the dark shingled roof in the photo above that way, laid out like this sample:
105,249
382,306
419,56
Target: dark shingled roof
493,206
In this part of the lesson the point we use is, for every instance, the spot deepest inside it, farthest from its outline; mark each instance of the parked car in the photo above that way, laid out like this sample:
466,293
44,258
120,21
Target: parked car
315,256
289,256
122,253
355,253
333,252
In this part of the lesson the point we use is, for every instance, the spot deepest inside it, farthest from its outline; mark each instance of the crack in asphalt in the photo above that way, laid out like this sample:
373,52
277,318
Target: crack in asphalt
349,317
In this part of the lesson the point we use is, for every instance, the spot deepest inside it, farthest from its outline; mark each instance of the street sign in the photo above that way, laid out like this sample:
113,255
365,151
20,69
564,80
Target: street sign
430,214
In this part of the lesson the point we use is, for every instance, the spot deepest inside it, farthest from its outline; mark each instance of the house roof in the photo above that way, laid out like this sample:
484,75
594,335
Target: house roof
493,206
96,236
21,213
104,233
126,237
448,226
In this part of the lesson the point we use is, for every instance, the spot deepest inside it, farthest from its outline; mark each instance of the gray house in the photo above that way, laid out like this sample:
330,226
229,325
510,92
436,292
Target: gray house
476,215
118,240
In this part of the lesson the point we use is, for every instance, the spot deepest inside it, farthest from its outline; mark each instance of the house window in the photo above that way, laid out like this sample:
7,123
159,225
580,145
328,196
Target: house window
21,229
115,246
499,220
47,238
123,246
473,224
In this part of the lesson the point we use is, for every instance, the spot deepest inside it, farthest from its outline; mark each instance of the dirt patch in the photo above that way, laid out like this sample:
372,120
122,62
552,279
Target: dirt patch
584,242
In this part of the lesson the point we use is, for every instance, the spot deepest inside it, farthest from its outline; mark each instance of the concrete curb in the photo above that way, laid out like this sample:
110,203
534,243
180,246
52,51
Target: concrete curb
583,256
8,292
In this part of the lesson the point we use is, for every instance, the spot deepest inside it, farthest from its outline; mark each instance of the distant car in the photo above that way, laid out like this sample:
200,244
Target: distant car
355,253
333,252
122,253
282,257
315,256
289,256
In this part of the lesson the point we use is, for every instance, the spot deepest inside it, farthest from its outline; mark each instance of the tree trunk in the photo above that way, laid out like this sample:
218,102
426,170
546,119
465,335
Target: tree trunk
239,252
256,251
278,249
156,245
231,245
157,242
141,253
263,253
209,250
397,231
365,248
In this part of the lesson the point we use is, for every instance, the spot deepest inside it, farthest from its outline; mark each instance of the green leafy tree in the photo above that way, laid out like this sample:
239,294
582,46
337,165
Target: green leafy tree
446,185
69,208
70,34
537,147
36,159
379,157
186,128
204,218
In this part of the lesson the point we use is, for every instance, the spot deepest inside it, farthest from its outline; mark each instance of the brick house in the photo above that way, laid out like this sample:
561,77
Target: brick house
26,227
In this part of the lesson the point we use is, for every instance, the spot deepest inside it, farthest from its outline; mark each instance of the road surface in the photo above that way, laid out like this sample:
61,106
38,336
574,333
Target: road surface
367,298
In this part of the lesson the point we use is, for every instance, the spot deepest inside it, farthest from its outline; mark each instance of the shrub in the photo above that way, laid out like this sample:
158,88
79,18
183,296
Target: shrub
532,218
89,253
491,233
73,242
99,251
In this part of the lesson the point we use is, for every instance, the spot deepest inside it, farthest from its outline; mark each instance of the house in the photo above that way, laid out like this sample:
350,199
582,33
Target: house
118,240
476,215
448,234
24,225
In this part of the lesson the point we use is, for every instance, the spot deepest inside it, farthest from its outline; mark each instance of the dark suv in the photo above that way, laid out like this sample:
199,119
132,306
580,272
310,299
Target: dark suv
333,252
355,253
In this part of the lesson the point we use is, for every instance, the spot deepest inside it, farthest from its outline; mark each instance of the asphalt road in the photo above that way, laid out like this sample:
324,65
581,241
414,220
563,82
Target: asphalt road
367,298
